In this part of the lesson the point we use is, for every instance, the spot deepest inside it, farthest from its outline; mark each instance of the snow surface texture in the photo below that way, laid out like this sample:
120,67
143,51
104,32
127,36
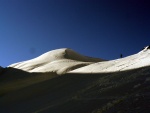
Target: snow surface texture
66,60
138,60
59,61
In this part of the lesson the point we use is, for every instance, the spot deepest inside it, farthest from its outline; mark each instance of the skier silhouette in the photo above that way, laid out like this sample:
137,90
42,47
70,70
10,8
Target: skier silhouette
121,55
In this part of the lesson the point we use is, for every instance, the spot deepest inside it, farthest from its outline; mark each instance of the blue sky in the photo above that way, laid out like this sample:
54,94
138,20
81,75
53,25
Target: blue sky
96,28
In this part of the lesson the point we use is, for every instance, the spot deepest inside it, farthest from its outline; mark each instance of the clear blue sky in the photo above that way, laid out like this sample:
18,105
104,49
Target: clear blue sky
96,28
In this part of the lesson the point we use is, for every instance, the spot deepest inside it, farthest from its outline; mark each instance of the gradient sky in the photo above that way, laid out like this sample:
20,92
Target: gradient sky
96,28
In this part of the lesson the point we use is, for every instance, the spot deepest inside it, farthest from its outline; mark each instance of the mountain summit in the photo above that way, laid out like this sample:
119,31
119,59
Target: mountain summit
66,60
90,85
59,61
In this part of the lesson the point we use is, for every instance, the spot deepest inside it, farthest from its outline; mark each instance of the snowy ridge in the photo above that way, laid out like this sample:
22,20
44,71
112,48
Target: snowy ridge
138,60
60,61
66,60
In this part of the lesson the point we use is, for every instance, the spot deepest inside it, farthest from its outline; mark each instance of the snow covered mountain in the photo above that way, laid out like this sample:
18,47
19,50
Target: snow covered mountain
87,88
67,61
141,59
59,61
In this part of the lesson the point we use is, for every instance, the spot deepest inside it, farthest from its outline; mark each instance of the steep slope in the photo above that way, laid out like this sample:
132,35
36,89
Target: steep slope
60,61
12,79
125,90
119,92
138,60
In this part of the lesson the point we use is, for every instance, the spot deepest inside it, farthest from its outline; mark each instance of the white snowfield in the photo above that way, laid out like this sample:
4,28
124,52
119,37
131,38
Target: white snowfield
67,61
141,59
59,61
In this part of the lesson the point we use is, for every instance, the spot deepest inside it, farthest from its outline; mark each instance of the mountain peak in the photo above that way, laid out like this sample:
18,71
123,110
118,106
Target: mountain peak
58,60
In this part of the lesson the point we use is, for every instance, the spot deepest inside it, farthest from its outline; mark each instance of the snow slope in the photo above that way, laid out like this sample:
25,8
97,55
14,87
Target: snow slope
138,60
67,61
60,61
121,91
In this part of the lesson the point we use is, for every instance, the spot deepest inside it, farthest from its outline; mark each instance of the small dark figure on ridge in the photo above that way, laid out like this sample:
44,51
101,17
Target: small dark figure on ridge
121,55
